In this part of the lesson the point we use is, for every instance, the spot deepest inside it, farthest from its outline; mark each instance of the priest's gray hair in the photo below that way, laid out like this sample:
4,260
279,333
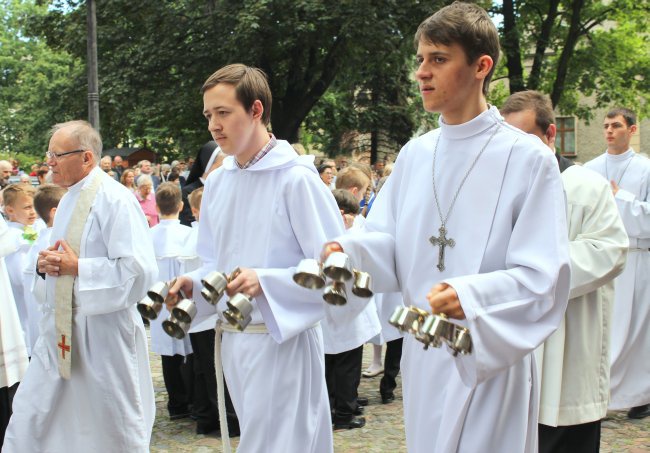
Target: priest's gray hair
83,133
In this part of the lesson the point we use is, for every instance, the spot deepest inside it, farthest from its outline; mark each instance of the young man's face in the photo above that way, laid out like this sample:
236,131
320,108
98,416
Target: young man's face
618,134
231,126
22,210
447,83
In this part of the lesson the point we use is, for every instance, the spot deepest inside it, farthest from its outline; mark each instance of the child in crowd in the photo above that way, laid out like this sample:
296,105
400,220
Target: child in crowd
344,341
46,201
19,208
169,239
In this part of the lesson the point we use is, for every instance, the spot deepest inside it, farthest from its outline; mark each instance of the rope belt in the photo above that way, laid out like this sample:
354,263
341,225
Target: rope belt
220,328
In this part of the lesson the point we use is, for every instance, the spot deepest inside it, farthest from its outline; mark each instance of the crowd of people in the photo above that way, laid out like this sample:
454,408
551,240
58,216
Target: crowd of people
480,221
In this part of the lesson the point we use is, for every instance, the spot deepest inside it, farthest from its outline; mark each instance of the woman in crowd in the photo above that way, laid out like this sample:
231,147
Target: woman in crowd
147,199
128,179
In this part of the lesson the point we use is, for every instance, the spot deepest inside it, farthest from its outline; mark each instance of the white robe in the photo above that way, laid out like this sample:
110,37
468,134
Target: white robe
574,361
510,268
630,347
16,263
13,354
108,404
169,239
268,217
34,286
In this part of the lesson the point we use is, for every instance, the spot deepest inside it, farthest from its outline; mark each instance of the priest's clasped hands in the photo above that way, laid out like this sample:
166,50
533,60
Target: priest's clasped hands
442,297
58,259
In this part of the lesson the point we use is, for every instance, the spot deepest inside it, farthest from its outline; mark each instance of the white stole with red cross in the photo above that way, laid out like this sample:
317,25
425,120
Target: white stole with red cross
64,290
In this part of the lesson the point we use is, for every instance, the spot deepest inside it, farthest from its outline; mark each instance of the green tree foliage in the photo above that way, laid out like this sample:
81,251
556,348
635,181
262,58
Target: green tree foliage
585,54
34,82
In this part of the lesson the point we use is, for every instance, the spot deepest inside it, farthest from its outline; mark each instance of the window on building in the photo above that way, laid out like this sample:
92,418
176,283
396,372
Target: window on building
566,135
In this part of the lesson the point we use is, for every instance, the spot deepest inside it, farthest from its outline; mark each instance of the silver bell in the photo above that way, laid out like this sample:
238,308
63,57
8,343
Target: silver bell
361,285
394,319
238,314
462,341
308,274
175,328
158,292
435,330
337,267
214,286
184,311
334,293
149,308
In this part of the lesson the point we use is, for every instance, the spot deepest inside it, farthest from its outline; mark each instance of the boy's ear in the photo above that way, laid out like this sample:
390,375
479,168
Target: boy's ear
258,109
52,212
484,65
180,206
9,210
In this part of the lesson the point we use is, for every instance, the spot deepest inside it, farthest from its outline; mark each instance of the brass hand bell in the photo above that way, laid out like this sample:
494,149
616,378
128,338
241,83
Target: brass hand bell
335,294
408,319
337,267
462,341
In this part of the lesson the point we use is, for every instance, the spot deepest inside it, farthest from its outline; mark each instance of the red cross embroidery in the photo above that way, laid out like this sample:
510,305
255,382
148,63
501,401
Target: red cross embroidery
64,347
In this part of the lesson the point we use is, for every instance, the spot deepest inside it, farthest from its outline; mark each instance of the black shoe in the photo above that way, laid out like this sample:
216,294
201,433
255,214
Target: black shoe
362,401
389,398
358,410
355,422
639,412
206,428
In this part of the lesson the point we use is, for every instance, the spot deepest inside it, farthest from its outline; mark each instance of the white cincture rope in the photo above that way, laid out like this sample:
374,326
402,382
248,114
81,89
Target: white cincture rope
219,329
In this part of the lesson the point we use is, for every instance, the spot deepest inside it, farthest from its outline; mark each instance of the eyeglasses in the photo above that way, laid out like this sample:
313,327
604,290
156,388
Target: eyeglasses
54,156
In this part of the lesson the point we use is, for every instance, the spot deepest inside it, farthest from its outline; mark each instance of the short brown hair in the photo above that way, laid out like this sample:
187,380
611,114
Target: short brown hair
346,201
11,193
531,100
628,115
250,85
195,198
47,197
467,25
168,198
352,176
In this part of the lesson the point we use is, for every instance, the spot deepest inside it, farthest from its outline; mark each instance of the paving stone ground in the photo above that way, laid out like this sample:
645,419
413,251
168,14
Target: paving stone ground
384,430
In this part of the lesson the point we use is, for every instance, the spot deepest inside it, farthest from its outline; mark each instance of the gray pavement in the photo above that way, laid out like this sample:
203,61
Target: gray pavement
384,430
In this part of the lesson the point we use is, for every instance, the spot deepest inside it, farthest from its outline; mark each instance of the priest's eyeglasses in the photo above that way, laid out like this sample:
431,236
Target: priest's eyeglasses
54,156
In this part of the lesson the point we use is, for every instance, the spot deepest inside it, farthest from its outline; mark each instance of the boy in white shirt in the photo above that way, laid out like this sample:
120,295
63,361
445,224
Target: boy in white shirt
169,239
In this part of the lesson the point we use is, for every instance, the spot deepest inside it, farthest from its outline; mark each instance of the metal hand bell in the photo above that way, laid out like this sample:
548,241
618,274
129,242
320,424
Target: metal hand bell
309,275
185,311
238,314
462,341
408,319
337,267
435,330
175,328
334,293
214,286
361,285
150,305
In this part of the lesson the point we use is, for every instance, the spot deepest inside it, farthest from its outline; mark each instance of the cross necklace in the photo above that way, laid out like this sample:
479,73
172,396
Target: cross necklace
442,240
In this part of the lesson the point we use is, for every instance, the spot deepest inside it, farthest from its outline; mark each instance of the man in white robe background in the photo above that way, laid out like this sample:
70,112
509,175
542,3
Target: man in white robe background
573,362
629,176
507,276
107,403
263,211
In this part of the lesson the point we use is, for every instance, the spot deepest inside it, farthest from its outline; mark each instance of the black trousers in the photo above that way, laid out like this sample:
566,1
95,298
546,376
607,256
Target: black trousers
206,408
6,400
584,438
178,377
392,360
343,375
